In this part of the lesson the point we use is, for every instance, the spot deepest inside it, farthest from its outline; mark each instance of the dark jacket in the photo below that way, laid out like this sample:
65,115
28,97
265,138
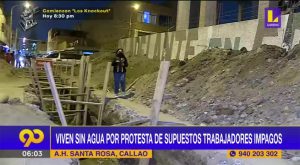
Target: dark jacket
120,63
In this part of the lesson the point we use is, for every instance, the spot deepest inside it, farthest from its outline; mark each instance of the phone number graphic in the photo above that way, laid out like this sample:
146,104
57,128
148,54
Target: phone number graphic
254,154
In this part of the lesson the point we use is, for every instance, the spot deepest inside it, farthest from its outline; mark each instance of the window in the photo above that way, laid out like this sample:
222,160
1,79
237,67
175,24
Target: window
165,20
146,17
153,19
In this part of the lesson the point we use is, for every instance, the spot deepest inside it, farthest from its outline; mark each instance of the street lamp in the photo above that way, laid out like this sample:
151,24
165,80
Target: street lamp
136,7
26,5
24,39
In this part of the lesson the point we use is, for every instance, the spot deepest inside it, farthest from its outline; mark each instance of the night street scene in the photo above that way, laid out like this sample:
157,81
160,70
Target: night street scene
150,82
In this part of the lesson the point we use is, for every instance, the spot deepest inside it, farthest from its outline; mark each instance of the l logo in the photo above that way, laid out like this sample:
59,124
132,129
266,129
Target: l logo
272,18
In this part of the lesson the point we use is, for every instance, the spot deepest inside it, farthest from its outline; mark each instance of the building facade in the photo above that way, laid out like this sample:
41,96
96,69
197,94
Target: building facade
187,42
41,47
3,26
193,14
128,22
60,39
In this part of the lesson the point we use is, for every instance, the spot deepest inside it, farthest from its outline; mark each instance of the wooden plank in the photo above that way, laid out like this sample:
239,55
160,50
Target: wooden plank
59,85
39,63
89,74
52,106
159,91
66,67
66,111
86,106
106,79
55,68
70,97
157,98
75,94
33,82
40,91
136,122
60,70
44,76
46,82
72,101
72,68
132,83
61,88
80,86
54,92
69,115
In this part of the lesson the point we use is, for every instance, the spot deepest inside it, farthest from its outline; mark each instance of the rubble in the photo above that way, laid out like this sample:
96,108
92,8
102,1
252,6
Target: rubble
220,87
295,52
14,101
243,50
4,99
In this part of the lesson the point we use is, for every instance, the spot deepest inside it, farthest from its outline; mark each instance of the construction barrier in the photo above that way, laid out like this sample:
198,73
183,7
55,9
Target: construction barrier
39,63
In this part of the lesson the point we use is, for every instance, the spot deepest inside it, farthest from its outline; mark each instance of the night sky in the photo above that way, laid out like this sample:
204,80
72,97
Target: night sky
40,31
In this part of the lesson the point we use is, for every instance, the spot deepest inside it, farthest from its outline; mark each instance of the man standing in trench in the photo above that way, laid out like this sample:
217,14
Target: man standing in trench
120,63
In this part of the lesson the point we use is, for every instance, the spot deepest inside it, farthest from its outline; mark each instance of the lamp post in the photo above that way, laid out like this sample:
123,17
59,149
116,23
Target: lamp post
26,5
135,7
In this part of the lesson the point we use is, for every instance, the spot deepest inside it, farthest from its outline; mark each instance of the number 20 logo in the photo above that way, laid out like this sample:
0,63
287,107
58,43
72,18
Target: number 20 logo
31,136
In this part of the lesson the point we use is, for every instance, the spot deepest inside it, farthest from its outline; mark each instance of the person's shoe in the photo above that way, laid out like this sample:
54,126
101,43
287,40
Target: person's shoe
116,96
123,94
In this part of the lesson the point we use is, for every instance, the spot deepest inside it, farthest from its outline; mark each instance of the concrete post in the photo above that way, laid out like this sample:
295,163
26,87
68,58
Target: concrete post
208,13
240,11
135,33
183,15
264,4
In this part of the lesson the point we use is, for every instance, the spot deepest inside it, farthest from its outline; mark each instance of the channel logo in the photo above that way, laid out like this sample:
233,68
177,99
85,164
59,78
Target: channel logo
28,136
272,18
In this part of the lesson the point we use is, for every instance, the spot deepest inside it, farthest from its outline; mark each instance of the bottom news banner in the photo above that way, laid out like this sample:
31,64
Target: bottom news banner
139,142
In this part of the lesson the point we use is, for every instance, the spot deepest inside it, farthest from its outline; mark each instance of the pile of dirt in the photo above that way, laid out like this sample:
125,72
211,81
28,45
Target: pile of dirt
5,68
12,83
226,87
8,71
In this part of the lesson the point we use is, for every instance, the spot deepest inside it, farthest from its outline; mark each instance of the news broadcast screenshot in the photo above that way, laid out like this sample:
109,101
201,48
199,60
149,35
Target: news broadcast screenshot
162,82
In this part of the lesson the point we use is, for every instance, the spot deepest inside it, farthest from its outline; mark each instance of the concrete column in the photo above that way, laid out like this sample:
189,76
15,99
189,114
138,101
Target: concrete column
208,13
264,4
135,33
240,11
183,15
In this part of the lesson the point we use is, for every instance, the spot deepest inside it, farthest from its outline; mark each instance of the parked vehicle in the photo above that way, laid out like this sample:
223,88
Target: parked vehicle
63,56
